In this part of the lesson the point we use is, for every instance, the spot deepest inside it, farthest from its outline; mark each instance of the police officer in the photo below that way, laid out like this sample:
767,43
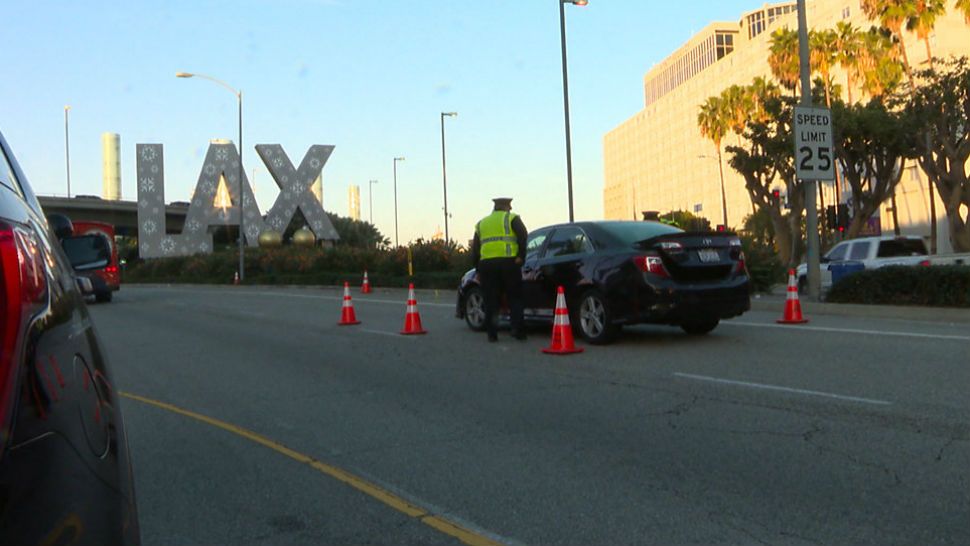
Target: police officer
498,251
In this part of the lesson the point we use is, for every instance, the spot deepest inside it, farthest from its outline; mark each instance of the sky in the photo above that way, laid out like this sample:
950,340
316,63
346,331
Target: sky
370,77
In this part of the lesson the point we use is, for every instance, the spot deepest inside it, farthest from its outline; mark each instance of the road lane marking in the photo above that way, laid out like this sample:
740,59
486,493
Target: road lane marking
435,521
847,330
782,389
383,333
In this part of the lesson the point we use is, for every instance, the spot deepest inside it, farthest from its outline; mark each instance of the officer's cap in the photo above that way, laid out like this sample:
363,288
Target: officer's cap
502,201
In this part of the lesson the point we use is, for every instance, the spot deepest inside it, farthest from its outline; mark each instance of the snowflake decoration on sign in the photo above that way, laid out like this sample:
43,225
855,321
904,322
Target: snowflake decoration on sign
284,179
147,184
204,247
168,245
299,189
222,154
253,232
148,154
155,210
149,227
314,163
278,162
194,225
154,169
277,223
210,169
143,203
209,187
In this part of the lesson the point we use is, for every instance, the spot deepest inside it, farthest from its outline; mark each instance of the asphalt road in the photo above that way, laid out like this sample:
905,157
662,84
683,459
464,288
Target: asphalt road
843,431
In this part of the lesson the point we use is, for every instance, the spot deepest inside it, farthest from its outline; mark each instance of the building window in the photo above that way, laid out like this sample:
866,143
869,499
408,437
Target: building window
756,23
846,12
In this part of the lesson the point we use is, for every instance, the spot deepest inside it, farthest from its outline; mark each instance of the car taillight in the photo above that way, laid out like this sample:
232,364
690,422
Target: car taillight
651,264
926,263
111,269
23,292
742,266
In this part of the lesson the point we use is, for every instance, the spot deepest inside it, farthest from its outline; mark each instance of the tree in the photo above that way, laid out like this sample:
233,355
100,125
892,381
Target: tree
964,7
879,61
893,14
358,234
941,104
783,57
764,161
848,45
922,20
737,108
758,92
713,123
871,144
823,52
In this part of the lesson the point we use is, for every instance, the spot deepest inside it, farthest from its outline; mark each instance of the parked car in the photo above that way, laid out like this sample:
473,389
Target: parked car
93,253
617,273
65,474
868,253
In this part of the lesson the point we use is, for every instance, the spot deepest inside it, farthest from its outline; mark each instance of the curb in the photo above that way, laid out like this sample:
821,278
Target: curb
927,314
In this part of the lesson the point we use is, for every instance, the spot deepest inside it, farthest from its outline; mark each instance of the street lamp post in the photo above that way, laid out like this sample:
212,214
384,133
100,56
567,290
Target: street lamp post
444,175
565,97
370,198
811,207
67,150
242,194
396,159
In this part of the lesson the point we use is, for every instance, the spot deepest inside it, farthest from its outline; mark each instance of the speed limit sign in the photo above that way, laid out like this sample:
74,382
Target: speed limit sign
814,156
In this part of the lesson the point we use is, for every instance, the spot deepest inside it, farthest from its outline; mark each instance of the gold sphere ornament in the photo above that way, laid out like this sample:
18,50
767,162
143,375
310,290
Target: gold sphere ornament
270,238
304,237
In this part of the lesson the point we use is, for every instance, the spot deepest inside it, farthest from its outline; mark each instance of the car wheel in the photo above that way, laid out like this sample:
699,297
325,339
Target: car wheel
475,309
102,297
701,327
595,319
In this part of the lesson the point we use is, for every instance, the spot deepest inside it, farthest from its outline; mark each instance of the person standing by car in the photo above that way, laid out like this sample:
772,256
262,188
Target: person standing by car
498,251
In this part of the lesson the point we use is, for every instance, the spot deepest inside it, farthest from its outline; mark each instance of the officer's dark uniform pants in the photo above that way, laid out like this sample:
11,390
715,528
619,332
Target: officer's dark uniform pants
501,276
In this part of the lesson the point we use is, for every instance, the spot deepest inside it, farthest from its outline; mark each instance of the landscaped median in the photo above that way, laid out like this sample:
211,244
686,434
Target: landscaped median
936,286
434,265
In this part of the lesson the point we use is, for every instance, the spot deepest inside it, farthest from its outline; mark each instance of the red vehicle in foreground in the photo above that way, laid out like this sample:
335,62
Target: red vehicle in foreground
91,240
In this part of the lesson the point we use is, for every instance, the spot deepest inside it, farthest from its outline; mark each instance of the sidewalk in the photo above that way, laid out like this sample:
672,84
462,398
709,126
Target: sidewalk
776,303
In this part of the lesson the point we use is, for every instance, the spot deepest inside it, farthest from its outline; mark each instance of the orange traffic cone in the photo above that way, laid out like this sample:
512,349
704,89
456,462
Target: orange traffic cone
365,288
235,278
412,320
793,307
562,332
347,315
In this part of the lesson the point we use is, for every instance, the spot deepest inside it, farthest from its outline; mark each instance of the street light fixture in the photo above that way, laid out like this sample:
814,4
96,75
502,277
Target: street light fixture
396,159
370,197
565,97
720,170
67,150
444,176
242,199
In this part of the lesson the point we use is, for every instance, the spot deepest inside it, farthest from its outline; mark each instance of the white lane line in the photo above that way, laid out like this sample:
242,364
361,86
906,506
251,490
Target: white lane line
846,330
782,389
361,299
383,333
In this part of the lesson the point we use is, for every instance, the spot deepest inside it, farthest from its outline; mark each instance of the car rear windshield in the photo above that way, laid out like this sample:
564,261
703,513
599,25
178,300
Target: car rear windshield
630,233
85,249
901,247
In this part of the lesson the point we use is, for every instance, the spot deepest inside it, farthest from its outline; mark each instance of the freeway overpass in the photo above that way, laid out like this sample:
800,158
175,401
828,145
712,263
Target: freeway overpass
122,214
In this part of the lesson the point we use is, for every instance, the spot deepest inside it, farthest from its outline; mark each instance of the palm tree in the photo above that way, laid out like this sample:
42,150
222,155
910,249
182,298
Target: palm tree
879,63
714,124
848,44
824,54
736,102
783,57
964,6
759,92
893,14
923,20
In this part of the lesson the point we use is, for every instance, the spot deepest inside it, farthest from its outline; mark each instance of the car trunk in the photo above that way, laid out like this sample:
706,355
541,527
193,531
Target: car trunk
697,256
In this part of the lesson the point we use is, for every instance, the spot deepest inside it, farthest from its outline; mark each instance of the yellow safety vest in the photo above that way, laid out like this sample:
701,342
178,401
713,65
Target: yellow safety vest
496,236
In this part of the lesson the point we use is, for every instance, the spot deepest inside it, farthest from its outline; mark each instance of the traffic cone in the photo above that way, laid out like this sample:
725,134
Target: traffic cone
365,288
562,332
235,278
793,307
347,315
412,320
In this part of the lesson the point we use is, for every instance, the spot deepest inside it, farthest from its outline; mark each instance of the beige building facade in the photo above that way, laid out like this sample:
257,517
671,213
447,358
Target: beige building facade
658,161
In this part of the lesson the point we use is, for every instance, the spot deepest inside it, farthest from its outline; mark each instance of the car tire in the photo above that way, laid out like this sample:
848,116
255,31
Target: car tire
700,327
102,297
474,305
594,318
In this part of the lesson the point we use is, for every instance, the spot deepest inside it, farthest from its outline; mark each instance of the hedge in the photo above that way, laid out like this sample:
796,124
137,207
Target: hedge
936,286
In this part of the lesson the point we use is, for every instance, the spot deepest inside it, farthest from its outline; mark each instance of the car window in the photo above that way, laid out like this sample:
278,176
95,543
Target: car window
838,253
901,247
630,233
86,249
860,250
7,177
567,241
534,243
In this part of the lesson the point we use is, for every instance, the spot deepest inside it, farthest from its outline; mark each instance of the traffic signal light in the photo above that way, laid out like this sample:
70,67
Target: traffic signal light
721,227
831,221
843,217
775,196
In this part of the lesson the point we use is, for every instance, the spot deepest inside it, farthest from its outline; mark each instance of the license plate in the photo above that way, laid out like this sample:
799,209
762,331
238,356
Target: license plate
708,255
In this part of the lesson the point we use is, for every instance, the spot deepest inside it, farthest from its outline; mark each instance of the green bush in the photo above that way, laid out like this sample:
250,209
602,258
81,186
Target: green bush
937,286
764,267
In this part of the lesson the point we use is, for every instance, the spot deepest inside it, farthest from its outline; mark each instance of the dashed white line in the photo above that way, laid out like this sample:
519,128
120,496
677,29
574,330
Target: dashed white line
846,330
782,389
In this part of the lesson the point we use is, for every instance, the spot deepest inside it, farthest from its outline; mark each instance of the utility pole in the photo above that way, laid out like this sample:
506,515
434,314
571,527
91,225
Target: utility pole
811,208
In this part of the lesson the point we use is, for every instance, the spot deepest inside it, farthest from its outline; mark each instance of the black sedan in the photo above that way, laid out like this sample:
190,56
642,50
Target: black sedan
65,475
617,273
